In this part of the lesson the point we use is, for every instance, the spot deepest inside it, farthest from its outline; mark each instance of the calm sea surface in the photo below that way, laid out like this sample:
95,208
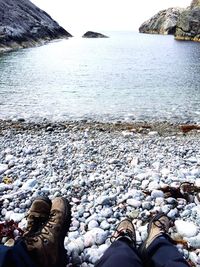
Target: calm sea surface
127,76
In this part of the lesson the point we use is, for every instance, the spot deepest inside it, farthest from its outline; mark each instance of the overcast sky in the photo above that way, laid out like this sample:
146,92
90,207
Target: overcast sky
78,16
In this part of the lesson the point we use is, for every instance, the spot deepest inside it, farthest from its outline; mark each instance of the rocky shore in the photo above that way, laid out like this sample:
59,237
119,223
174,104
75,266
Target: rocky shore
188,24
164,22
25,25
184,24
107,171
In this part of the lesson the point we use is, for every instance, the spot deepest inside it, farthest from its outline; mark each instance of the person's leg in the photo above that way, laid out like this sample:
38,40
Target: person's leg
158,250
15,256
162,253
122,252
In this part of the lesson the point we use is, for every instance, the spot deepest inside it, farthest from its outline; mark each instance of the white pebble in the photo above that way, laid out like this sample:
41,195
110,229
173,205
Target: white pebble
92,224
134,203
186,229
3,168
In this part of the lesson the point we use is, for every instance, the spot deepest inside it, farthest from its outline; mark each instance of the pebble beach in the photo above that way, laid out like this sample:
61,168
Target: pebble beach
107,171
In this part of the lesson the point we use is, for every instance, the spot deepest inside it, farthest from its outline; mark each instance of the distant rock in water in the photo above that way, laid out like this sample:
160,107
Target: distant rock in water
90,34
22,24
164,22
188,25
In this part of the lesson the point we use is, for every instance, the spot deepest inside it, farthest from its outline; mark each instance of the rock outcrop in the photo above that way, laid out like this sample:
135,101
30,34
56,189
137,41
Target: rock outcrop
164,22
22,24
195,3
91,34
188,25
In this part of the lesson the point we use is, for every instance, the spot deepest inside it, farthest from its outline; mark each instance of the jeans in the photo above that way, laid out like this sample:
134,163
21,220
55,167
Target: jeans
16,256
161,253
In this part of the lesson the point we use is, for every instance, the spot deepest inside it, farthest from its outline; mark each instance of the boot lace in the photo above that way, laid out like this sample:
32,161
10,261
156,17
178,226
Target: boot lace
127,233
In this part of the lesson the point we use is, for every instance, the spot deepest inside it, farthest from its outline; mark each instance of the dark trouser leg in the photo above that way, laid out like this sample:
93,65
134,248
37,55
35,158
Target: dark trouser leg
120,254
162,253
16,256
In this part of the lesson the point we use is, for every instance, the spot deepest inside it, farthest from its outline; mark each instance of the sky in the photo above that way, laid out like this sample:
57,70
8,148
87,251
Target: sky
79,16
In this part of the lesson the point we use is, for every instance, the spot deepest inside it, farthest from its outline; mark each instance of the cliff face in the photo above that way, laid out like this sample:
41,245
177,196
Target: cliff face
195,3
22,24
164,22
188,25
183,23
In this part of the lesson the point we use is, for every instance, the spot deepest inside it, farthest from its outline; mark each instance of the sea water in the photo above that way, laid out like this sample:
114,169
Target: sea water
129,76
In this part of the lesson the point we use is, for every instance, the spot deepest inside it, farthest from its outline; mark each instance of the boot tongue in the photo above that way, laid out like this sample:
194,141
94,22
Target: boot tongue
35,214
41,209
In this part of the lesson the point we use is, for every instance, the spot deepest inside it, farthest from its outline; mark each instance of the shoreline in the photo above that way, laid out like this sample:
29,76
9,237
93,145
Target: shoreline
32,43
107,171
140,127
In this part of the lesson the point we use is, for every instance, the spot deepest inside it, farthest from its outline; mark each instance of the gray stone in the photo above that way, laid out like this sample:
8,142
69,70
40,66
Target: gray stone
101,237
157,193
3,212
105,200
105,225
29,184
4,187
106,212
172,214
147,205
171,200
92,224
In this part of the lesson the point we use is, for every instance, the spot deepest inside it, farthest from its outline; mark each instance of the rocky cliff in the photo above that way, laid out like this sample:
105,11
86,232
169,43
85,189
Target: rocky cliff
195,3
164,22
188,24
22,24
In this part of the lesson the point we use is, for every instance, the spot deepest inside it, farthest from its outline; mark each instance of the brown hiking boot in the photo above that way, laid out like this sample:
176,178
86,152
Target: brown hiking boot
125,229
37,215
47,247
158,226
